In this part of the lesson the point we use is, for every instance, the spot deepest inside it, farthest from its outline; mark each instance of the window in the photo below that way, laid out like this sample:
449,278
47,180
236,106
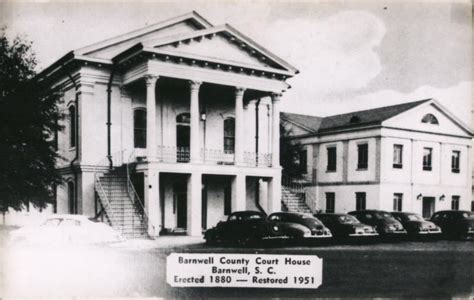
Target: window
397,156
430,119
229,135
455,202
455,156
302,163
71,197
330,202
362,156
427,154
56,134
139,128
227,199
332,159
397,202
360,201
72,126
472,205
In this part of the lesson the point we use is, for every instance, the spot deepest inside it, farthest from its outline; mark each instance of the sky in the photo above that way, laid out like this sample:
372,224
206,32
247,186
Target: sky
351,55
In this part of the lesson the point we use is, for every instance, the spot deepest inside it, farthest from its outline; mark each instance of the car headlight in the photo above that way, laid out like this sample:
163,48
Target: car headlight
307,233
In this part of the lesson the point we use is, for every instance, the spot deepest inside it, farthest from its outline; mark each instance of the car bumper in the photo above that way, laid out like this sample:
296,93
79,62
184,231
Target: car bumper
364,234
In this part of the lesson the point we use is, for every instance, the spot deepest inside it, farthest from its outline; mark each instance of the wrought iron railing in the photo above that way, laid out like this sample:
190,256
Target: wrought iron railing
137,202
251,159
219,157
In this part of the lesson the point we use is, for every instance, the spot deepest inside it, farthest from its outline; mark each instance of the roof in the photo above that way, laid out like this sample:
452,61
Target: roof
357,119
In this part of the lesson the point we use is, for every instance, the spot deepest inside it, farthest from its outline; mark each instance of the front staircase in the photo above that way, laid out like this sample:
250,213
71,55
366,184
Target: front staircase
293,201
119,203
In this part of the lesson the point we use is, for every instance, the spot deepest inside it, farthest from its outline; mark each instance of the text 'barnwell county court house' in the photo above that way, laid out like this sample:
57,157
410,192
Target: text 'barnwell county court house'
185,112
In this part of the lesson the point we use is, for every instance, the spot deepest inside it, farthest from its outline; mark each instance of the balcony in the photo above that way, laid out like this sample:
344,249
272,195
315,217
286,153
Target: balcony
170,154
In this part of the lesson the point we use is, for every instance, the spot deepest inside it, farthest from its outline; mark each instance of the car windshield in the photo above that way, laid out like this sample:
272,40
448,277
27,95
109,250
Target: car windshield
468,215
310,218
414,218
383,215
244,217
348,219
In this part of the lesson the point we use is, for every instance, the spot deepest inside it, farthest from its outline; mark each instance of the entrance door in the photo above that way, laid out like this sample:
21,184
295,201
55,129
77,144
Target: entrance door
181,205
428,206
182,143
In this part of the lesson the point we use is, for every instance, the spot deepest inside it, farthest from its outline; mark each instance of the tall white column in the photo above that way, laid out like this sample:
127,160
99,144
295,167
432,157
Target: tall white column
274,194
239,193
150,81
239,126
195,143
276,130
194,207
152,202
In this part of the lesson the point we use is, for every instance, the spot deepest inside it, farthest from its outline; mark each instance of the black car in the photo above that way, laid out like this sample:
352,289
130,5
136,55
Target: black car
241,227
343,225
298,226
415,225
455,223
384,222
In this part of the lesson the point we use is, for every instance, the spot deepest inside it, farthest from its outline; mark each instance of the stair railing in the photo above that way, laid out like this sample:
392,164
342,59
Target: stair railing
295,187
135,198
99,169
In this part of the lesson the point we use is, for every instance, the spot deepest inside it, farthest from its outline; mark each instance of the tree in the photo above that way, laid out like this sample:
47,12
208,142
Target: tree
28,121
289,153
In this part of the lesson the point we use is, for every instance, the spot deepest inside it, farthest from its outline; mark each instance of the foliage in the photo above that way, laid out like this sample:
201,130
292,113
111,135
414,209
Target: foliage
289,153
28,121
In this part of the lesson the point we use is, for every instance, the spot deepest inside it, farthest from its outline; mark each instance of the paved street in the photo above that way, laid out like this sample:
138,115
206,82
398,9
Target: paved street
137,268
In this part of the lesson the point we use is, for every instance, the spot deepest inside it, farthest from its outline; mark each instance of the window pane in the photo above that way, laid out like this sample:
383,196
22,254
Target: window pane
139,128
455,157
229,135
455,202
360,201
332,159
397,202
72,126
330,202
427,153
397,156
363,156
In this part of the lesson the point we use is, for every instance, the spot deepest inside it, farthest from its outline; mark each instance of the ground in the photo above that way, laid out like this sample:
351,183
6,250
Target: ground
138,268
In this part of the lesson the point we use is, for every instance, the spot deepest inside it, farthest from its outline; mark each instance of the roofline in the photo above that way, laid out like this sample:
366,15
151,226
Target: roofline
229,29
459,122
297,124
142,31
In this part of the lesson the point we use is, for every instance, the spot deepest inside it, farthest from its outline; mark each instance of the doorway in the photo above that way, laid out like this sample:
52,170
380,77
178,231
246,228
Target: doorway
182,137
180,207
428,207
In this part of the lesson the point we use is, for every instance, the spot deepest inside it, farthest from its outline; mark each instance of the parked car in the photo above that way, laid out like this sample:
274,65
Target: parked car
344,225
455,223
241,227
298,226
415,225
384,222
64,229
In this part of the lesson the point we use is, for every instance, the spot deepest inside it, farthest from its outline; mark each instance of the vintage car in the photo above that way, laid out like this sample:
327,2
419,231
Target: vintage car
343,225
455,223
297,226
241,227
66,229
415,225
385,224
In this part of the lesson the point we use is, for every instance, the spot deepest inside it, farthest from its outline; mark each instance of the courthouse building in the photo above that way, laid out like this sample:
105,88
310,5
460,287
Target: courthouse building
171,127
408,157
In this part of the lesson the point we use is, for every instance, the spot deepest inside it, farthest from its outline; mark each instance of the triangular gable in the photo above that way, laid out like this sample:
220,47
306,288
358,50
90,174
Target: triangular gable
184,24
412,119
223,43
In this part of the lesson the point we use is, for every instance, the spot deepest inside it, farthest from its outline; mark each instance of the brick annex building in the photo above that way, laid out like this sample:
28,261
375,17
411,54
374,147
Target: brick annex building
408,157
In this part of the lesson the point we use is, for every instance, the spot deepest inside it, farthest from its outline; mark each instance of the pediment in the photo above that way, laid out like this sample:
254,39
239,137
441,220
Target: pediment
416,118
180,25
216,47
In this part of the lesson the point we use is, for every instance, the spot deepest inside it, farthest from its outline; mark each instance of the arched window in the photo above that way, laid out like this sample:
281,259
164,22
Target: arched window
183,118
71,195
72,126
430,119
139,128
229,135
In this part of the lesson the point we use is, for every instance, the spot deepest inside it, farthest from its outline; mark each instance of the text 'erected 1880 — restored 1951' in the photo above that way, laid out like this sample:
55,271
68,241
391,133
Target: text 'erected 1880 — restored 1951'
244,270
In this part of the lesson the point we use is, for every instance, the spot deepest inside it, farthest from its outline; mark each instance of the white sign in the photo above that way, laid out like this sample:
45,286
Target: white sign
244,270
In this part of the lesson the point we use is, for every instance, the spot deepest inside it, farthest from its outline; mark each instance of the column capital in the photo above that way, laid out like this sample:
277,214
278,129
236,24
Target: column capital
194,85
150,79
276,97
239,91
